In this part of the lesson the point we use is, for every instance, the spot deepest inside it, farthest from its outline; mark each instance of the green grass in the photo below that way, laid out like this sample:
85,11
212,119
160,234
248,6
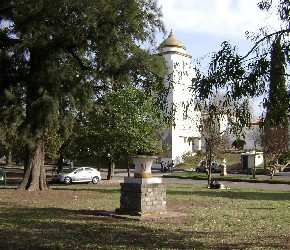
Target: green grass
235,177
65,218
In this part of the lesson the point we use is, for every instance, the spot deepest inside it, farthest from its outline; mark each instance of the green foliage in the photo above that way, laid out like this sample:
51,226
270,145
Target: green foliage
234,82
237,78
54,141
123,123
277,103
11,117
285,158
57,57
193,159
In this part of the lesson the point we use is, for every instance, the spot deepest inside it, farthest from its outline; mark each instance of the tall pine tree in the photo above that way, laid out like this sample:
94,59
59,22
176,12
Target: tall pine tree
71,50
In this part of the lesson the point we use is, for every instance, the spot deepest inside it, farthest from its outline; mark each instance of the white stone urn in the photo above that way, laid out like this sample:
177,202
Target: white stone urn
143,164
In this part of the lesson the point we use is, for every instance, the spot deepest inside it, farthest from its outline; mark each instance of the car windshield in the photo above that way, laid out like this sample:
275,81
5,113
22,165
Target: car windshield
78,170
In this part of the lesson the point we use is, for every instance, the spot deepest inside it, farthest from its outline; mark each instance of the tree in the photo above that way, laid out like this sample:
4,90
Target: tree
275,135
11,118
123,123
11,102
213,126
221,114
278,99
240,77
275,142
68,50
245,76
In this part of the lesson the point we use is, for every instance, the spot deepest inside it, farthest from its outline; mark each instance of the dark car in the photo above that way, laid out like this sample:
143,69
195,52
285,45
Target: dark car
215,167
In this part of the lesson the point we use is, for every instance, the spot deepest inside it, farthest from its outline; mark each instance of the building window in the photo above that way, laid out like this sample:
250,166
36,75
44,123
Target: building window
183,139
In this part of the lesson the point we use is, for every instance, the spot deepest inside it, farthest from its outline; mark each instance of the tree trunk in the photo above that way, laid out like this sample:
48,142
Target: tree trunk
8,158
209,161
60,163
254,171
34,176
209,175
111,171
128,169
265,164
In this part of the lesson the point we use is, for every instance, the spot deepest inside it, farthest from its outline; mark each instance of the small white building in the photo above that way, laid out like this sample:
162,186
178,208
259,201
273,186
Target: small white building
251,159
179,79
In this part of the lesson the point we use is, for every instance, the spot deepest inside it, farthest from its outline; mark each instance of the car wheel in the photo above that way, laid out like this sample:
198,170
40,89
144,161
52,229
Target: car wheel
67,180
197,170
95,180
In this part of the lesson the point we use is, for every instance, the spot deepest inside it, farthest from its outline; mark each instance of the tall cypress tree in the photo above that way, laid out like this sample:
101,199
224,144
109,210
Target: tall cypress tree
278,99
275,136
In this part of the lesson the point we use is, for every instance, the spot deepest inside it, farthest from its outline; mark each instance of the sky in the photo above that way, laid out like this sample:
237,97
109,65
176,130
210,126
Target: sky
202,25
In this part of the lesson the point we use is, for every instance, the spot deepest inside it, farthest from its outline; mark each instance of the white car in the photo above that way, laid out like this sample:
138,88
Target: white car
84,174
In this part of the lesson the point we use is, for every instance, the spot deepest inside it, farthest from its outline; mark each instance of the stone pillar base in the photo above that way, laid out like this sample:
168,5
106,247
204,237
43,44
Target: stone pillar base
142,198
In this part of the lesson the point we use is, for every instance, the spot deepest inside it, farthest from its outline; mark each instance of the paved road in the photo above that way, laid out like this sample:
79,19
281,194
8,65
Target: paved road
120,174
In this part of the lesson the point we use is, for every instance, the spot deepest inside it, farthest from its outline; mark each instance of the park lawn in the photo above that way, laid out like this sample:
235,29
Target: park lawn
65,218
234,177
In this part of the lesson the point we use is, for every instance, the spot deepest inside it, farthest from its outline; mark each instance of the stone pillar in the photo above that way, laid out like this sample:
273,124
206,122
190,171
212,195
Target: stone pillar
142,196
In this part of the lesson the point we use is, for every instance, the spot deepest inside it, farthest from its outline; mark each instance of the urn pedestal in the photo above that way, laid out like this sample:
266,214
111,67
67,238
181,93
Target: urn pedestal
142,195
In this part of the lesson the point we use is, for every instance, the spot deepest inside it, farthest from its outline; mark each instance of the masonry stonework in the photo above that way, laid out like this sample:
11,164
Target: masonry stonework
142,199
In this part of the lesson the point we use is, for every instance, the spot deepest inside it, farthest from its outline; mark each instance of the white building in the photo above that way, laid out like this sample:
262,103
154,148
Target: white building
180,100
251,159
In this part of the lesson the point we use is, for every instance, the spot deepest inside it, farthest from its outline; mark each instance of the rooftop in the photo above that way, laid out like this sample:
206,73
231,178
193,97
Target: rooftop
172,41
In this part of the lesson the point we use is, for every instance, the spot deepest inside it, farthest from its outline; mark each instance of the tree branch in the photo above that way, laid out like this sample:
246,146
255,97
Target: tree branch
78,59
262,39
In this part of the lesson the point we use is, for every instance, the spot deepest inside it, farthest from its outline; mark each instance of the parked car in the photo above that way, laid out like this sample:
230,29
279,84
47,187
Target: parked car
215,167
83,174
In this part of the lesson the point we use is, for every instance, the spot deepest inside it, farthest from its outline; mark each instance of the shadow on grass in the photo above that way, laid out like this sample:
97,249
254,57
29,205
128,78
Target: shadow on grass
96,190
66,229
56,228
234,194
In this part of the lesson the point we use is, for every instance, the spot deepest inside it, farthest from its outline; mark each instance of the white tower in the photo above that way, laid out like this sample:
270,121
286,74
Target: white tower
180,99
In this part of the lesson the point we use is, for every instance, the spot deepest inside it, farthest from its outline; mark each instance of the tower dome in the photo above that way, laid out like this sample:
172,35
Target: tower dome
172,45
172,41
